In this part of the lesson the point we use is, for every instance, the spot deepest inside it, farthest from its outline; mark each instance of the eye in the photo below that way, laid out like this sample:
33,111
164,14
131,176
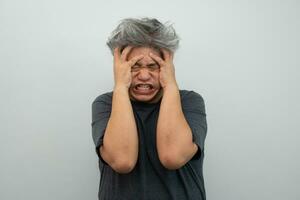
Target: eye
153,67
135,68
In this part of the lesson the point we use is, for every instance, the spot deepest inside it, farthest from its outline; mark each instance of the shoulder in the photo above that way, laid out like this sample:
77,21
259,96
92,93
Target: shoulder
188,95
105,98
192,101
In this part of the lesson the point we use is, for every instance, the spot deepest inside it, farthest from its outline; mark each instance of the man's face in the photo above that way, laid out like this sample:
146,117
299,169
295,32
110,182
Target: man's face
145,85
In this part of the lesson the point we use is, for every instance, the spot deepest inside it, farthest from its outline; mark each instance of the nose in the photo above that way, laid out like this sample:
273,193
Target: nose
144,74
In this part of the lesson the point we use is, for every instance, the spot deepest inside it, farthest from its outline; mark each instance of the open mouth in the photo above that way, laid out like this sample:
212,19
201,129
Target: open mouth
143,89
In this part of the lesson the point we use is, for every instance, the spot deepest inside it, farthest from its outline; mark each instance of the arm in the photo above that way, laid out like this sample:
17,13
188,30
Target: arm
175,144
174,137
120,142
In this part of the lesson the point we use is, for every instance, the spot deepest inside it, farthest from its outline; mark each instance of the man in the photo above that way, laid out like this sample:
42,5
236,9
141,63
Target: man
149,135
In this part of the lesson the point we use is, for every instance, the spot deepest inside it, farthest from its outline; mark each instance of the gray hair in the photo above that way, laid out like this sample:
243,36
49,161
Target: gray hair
143,32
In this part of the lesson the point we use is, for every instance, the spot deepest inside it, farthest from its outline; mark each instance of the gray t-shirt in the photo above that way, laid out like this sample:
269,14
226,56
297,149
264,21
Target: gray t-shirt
149,179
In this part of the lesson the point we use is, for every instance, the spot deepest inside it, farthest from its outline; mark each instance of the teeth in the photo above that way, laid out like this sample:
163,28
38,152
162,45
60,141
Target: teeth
145,86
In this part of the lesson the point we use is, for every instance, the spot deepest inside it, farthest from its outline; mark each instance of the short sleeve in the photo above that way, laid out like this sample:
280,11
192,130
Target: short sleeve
101,109
194,111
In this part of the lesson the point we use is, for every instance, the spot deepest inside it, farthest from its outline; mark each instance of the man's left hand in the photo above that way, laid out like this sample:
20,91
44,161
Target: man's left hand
167,70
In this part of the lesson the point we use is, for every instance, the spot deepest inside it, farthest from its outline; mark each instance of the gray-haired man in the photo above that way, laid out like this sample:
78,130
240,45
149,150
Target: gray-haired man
149,135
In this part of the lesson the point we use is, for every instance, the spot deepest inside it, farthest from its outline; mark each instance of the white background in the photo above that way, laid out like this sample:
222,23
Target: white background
241,56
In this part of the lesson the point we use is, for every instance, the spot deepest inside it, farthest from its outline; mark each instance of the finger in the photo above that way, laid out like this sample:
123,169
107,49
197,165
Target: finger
117,54
168,55
135,59
125,53
171,55
158,59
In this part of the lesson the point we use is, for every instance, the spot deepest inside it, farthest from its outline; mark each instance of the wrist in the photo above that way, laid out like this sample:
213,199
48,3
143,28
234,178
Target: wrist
121,88
172,86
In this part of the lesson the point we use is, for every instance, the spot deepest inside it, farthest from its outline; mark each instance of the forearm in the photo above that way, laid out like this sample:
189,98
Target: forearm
120,142
174,137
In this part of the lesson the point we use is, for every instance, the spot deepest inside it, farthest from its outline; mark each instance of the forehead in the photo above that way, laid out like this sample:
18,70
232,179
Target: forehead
142,50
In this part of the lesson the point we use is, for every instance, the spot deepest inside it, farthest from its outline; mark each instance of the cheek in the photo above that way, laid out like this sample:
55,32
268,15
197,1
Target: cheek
133,75
157,77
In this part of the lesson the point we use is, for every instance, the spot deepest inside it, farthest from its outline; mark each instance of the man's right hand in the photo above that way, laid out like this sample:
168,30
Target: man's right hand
122,66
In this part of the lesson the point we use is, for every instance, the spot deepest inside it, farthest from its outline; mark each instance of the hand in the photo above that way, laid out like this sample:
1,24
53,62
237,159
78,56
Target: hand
167,70
122,67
